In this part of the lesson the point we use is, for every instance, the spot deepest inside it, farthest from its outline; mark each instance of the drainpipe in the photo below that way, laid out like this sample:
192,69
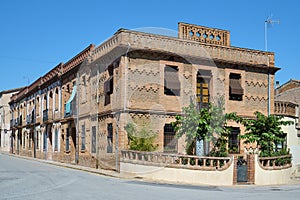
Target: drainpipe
269,91
77,119
34,129
97,138
118,115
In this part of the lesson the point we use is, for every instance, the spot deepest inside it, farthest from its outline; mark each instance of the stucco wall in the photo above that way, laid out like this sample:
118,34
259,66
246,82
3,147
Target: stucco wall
174,175
5,120
293,141
271,177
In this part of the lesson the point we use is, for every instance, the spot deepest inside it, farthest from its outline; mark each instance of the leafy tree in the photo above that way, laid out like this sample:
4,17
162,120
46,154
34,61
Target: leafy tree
204,124
140,140
193,125
265,131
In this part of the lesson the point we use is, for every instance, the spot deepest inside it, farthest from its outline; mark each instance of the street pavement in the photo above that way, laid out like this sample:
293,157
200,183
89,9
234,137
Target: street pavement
30,179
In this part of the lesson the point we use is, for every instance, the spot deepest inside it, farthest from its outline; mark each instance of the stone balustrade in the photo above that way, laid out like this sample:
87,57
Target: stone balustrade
285,108
275,163
176,160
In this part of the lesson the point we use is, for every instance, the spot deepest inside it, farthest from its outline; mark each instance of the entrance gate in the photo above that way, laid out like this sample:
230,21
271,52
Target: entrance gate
242,170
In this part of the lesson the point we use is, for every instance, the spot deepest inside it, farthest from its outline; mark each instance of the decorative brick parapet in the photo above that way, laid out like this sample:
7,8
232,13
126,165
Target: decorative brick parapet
134,40
203,34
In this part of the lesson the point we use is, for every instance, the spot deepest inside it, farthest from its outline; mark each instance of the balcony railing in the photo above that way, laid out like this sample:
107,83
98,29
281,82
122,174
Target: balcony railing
30,119
45,115
176,160
68,110
20,120
56,115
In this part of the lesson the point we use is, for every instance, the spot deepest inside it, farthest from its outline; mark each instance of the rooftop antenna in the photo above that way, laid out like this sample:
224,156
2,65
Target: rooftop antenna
269,21
27,78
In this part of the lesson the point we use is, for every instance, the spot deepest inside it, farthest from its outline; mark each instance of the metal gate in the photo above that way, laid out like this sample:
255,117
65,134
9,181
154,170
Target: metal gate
242,170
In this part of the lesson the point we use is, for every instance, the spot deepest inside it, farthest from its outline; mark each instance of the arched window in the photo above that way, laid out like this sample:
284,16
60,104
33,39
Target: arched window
56,140
50,100
56,99
45,102
37,106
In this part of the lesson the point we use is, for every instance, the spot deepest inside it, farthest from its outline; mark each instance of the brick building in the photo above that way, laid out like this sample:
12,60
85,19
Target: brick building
40,122
77,112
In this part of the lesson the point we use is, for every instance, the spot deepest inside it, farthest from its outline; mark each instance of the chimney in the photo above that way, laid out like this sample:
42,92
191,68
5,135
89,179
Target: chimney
277,85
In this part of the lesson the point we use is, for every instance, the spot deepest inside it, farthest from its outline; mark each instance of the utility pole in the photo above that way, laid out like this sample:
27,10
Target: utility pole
269,21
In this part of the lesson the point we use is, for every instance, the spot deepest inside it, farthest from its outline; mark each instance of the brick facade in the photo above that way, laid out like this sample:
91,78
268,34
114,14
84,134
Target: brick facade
124,81
251,168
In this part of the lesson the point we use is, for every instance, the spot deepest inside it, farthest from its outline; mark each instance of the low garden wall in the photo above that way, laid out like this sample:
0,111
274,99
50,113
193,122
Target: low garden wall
273,170
218,171
178,168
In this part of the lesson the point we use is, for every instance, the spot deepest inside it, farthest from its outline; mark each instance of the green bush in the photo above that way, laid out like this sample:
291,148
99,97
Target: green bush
140,140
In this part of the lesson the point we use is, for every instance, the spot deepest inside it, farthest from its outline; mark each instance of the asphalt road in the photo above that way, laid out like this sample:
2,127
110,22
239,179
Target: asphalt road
28,179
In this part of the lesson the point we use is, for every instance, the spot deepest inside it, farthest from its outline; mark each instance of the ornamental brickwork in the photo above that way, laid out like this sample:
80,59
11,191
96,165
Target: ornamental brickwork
80,108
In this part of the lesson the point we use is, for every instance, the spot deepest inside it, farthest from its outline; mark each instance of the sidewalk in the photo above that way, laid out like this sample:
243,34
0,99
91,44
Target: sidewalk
103,172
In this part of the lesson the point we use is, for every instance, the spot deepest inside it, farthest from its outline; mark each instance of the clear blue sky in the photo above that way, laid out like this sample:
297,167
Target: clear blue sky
36,35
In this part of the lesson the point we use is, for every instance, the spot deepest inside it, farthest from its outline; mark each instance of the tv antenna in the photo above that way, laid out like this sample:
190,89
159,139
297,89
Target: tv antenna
269,21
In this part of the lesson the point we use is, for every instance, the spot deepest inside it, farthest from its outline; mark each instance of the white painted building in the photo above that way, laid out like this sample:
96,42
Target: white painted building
5,130
287,101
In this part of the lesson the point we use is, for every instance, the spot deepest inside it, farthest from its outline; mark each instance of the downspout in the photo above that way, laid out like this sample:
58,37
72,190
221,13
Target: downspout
97,138
34,129
124,109
77,119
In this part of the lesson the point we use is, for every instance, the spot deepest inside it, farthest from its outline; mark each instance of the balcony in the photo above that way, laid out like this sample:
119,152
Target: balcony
56,115
45,115
68,110
30,119
69,105
19,122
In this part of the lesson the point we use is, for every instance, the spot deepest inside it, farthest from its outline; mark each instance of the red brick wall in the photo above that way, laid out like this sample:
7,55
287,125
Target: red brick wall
251,168
235,170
